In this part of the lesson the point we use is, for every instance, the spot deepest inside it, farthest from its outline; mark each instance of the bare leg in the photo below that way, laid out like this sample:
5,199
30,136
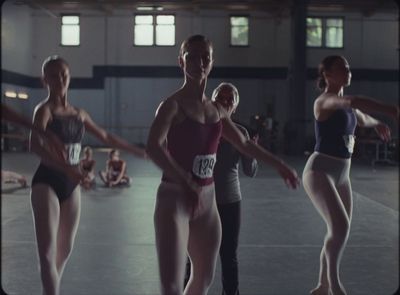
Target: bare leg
103,177
329,204
68,226
125,180
46,213
128,180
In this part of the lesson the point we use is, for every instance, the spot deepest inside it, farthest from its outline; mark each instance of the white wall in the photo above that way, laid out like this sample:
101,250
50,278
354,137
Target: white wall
126,105
369,42
109,40
16,38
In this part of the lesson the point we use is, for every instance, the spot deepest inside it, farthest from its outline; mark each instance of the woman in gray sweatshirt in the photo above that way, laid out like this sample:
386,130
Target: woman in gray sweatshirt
227,191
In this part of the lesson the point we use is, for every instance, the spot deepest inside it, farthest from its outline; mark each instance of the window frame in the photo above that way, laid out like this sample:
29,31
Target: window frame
230,31
154,25
79,26
324,30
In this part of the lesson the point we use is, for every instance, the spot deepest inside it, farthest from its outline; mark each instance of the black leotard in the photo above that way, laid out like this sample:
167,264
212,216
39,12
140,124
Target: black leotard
70,130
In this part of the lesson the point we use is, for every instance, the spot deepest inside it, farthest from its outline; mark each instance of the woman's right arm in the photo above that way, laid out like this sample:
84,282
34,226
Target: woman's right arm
53,142
10,115
156,145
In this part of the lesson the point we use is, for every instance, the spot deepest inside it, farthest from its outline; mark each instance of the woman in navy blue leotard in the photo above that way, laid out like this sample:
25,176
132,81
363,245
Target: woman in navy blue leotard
326,174
55,195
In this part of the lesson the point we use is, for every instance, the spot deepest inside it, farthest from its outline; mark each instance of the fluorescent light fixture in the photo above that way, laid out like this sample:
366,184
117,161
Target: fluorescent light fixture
22,95
145,8
10,94
150,8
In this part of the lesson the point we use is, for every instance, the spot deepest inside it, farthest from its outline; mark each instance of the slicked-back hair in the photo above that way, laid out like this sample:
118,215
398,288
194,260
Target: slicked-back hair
326,64
52,59
192,39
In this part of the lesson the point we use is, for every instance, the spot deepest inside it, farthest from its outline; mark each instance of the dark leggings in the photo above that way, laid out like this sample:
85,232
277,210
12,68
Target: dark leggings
230,220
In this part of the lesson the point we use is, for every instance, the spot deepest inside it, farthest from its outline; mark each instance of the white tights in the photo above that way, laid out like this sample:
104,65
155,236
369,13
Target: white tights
327,183
179,233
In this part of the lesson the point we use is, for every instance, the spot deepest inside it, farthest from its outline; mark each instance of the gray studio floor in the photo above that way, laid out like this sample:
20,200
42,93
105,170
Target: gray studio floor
280,241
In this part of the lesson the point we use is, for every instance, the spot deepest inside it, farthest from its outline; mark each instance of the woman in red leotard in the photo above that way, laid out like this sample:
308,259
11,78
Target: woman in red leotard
183,141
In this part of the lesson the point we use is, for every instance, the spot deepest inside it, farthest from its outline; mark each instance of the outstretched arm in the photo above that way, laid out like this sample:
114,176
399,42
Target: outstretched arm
329,102
109,138
248,147
370,105
54,145
8,114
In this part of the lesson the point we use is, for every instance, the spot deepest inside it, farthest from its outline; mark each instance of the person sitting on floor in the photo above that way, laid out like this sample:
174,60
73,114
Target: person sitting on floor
87,167
115,173
13,177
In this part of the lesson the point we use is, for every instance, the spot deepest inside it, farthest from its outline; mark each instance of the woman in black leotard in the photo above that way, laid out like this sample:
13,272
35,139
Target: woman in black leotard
55,195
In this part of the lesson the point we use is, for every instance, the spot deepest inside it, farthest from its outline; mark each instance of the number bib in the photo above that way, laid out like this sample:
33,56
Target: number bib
73,153
349,141
203,165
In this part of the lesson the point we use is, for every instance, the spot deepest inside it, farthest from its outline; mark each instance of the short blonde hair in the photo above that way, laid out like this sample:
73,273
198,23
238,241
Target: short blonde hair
228,85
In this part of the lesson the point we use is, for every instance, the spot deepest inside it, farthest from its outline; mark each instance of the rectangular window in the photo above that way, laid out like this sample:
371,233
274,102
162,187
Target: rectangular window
239,30
314,32
334,33
165,30
325,32
70,30
143,30
156,30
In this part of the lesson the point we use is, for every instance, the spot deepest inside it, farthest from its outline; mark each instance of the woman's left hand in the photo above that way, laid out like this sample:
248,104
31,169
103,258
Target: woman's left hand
290,176
383,132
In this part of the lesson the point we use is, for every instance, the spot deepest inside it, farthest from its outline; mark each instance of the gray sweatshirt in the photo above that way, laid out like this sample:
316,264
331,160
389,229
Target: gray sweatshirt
226,170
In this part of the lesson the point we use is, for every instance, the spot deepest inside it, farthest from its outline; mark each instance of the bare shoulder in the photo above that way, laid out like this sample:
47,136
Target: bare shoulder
169,105
42,111
324,97
42,106
82,114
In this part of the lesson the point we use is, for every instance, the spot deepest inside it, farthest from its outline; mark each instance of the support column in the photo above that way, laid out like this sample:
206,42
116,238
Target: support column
296,126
